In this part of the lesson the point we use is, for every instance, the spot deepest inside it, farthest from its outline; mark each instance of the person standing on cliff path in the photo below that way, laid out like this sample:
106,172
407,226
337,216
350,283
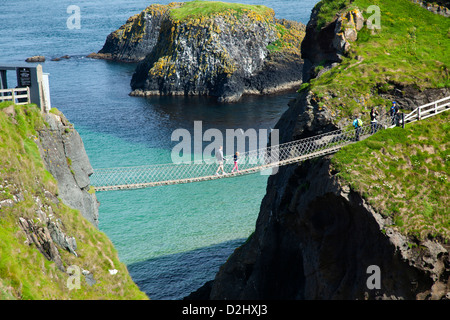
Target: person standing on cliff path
373,120
394,112
220,160
357,123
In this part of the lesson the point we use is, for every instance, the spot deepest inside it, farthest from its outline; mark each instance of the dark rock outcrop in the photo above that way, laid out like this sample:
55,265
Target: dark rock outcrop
327,45
137,37
315,237
65,158
437,7
409,97
47,234
222,59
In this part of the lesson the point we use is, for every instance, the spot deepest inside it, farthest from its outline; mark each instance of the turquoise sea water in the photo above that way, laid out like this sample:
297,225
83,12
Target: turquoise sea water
173,238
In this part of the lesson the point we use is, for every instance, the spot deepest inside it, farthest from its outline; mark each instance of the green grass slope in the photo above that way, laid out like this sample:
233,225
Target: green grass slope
404,174
411,49
204,9
24,272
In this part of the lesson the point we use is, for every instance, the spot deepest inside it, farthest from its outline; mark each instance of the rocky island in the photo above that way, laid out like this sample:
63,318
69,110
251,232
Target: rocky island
208,48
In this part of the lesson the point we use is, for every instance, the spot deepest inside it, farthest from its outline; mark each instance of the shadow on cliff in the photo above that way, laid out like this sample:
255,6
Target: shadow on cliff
172,277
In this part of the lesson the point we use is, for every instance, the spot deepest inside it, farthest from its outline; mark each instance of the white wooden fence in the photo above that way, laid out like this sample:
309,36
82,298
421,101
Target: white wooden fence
428,110
16,95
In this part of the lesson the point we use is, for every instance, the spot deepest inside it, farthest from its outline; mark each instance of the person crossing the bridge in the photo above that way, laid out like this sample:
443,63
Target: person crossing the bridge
236,157
220,160
357,123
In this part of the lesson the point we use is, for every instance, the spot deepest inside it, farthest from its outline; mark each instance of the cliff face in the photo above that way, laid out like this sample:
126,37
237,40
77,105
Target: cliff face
315,238
318,238
137,37
50,247
223,53
65,158
327,46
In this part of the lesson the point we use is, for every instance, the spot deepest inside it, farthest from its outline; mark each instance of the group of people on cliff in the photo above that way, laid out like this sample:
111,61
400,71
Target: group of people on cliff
394,119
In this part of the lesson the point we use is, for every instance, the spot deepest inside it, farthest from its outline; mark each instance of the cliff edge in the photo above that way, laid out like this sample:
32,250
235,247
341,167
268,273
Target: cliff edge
380,205
65,158
50,246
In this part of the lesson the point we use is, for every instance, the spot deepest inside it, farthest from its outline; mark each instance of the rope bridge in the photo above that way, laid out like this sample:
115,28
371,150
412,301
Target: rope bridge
250,162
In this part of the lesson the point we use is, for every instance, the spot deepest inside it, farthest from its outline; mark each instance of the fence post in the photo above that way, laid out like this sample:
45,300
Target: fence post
13,96
403,120
418,113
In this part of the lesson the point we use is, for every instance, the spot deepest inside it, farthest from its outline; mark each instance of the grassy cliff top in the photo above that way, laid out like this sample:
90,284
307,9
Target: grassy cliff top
327,9
410,49
205,9
404,174
201,14
24,272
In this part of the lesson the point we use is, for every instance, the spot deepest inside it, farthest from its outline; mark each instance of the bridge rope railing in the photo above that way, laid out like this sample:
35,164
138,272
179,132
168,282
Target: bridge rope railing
249,162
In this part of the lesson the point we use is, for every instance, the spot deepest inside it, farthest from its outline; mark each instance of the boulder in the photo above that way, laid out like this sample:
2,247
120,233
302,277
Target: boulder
10,111
36,59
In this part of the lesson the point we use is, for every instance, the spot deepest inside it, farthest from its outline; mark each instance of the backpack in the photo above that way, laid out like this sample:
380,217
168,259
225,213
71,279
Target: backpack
359,122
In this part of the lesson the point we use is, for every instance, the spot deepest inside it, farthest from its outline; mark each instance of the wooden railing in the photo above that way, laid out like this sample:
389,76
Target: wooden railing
428,110
16,95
